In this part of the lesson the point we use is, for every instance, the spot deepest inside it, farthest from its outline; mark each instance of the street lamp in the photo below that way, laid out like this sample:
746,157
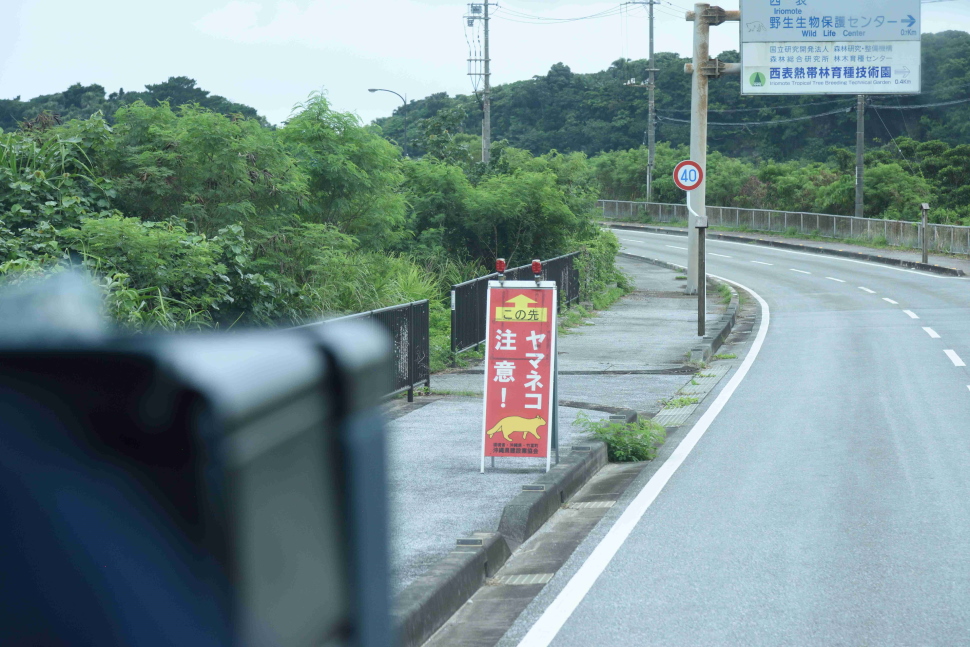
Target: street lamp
405,115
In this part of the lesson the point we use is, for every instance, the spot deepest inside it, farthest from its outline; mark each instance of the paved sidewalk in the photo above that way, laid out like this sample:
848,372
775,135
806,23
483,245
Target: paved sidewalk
629,357
956,262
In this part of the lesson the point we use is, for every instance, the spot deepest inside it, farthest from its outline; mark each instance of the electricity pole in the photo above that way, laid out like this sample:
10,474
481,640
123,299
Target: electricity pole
651,114
480,67
860,145
487,101
651,86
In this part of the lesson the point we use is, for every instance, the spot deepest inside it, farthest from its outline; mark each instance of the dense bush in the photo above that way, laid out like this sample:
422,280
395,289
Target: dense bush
194,218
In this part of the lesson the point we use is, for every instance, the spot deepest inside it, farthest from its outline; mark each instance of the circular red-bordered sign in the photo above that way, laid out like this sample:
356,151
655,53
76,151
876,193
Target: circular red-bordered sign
688,175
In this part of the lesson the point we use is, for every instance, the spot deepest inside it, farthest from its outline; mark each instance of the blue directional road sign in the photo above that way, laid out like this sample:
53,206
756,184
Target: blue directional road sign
764,21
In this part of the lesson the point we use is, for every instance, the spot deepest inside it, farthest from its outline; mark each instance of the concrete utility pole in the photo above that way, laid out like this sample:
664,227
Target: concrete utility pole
860,146
487,100
651,114
703,67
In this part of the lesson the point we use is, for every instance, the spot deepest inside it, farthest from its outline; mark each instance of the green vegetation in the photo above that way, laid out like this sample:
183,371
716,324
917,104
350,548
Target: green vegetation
193,218
725,292
912,156
682,401
725,356
626,442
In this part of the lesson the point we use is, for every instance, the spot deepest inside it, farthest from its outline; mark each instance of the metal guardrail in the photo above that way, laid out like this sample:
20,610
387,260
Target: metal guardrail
468,299
410,329
947,239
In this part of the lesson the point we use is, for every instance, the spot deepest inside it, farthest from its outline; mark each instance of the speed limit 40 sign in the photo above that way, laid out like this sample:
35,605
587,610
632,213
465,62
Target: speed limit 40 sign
688,175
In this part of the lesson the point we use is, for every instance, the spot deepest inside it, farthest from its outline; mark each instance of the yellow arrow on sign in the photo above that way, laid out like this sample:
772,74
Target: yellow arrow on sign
521,310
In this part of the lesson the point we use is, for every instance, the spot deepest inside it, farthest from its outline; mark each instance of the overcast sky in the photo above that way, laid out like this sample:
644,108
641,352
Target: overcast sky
271,54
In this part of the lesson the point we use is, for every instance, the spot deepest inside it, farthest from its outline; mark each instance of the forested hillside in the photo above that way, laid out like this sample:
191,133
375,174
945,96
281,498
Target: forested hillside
596,112
82,101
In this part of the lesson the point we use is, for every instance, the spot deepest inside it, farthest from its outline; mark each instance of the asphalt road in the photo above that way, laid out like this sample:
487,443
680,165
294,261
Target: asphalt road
827,502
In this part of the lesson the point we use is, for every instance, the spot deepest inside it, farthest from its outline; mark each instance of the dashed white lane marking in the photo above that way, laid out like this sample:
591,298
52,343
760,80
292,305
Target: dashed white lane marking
932,333
954,358
832,278
968,386
762,263
799,271
721,255
557,613
887,300
675,247
867,290
912,315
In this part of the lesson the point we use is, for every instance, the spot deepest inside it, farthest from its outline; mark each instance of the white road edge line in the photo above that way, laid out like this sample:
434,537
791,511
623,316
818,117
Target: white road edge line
867,290
830,278
721,255
912,315
888,300
558,612
968,386
675,247
816,255
932,333
758,262
954,358
799,271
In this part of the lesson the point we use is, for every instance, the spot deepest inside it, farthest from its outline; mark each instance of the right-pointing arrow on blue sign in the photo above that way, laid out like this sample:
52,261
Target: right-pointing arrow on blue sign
908,19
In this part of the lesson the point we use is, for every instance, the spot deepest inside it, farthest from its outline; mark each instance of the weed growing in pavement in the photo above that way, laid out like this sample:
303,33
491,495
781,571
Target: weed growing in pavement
682,401
694,382
705,375
626,442
725,356
679,277
725,292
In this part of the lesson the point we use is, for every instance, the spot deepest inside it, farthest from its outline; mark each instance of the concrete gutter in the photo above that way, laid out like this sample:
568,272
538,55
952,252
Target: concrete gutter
427,603
874,258
720,330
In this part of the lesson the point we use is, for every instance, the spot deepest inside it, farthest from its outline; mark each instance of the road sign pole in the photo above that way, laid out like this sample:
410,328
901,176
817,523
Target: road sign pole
702,285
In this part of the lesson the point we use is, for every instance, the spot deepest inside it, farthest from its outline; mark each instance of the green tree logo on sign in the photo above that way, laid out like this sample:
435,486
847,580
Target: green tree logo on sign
757,79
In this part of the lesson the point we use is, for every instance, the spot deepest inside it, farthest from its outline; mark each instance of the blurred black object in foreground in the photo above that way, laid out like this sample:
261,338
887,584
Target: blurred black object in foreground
200,490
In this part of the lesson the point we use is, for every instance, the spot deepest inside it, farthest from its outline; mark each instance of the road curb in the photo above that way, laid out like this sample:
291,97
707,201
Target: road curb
721,329
425,605
428,602
526,513
874,258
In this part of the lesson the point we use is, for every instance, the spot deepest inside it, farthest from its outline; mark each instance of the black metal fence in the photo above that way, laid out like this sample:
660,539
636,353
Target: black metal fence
468,299
410,328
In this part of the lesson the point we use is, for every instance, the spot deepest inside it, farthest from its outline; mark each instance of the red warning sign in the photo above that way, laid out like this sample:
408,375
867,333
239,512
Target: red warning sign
519,356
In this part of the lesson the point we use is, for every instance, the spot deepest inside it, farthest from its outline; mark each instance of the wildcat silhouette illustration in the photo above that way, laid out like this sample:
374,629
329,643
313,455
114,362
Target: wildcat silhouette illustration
514,424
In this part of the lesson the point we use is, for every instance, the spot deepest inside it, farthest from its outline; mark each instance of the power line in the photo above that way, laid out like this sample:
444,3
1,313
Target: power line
799,105
893,139
924,105
519,16
760,123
